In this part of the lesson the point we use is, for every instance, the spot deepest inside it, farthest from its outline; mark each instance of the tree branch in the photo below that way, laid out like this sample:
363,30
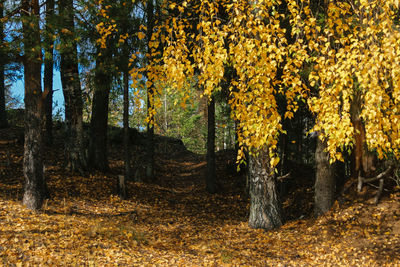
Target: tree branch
283,177
379,176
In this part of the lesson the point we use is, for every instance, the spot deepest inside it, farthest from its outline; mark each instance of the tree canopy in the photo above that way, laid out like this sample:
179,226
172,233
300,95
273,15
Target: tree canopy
341,58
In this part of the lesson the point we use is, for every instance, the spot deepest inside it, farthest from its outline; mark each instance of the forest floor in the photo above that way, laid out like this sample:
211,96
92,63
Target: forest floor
176,223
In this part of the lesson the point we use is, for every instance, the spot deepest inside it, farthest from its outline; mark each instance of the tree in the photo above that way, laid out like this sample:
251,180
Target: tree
98,124
265,210
363,57
324,180
127,161
3,114
35,185
211,183
127,156
184,120
254,44
115,24
356,56
74,145
48,71
150,97
125,53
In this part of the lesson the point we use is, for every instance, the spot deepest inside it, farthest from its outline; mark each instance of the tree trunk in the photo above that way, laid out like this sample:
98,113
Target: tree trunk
324,180
122,187
34,190
150,143
3,113
211,185
48,73
364,162
124,61
126,127
74,145
98,124
150,94
265,210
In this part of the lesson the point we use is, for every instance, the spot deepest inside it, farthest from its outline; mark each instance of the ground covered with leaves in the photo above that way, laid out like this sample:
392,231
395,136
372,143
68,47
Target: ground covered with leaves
176,223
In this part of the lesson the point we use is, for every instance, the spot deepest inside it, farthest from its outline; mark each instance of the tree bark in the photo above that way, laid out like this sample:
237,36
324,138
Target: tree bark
364,162
125,66
3,113
35,187
98,158
122,187
48,73
150,93
265,209
74,145
211,183
126,127
324,180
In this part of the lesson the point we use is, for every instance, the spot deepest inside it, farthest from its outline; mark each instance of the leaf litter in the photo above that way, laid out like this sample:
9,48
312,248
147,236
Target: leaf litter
176,223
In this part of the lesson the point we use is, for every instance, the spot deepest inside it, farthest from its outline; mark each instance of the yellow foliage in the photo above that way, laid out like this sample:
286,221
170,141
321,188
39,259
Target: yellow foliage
362,62
353,53
141,35
255,46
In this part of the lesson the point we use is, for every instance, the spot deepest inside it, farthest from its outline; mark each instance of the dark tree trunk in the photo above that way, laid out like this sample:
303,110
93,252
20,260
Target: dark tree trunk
48,73
98,124
150,145
3,113
211,183
324,180
126,127
122,187
124,61
150,94
34,191
265,209
122,179
74,145
282,164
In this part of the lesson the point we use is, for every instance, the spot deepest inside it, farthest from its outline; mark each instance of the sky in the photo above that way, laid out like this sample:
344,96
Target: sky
17,90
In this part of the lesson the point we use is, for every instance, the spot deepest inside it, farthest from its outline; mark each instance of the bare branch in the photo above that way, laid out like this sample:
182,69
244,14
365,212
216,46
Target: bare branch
382,175
283,177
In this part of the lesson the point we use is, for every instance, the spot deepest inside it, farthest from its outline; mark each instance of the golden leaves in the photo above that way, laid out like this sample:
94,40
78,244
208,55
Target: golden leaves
356,56
353,49
66,31
211,55
178,223
254,45
141,35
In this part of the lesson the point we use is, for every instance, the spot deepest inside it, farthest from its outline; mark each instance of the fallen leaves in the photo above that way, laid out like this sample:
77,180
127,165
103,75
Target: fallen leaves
175,223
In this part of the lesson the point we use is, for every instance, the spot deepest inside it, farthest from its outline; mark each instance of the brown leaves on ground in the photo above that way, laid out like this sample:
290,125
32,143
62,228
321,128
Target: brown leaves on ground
176,223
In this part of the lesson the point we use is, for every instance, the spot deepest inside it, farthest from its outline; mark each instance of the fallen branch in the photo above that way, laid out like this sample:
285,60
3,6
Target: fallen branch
283,177
377,187
8,142
396,179
380,177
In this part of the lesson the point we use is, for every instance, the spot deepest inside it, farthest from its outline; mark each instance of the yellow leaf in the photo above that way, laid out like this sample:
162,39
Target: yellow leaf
141,35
